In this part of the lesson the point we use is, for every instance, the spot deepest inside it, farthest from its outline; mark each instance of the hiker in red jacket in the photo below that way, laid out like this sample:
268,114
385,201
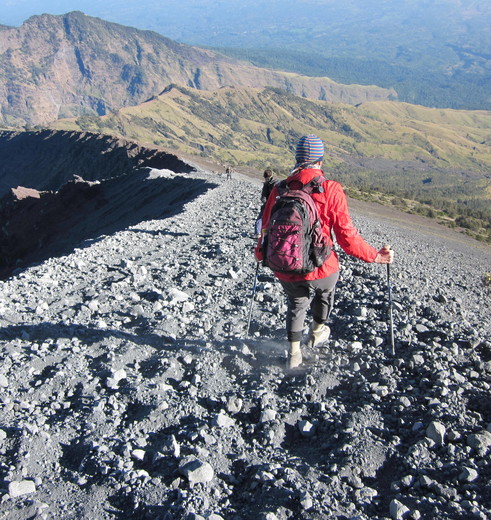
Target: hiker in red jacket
321,282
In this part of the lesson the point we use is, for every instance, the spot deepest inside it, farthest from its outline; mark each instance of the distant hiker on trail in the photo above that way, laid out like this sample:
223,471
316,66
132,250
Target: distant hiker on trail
322,271
228,172
268,185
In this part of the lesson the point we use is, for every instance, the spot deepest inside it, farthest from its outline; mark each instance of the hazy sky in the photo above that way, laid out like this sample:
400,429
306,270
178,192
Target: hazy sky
175,18
14,12
240,22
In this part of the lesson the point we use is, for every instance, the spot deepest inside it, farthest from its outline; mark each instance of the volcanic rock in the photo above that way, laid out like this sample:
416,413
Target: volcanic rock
109,413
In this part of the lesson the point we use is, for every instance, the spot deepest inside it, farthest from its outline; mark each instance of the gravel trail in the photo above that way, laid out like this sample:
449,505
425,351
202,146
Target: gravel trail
128,389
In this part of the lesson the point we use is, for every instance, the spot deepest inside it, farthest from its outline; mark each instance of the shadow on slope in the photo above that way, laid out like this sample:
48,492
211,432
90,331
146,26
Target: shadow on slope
47,159
47,224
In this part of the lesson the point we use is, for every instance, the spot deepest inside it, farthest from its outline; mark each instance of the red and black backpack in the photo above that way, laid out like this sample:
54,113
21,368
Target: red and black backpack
294,242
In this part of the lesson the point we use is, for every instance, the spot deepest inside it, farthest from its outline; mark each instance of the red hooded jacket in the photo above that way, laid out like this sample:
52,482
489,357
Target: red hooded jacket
334,215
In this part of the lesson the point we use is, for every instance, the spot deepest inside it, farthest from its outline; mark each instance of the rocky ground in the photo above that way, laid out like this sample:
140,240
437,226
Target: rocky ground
130,390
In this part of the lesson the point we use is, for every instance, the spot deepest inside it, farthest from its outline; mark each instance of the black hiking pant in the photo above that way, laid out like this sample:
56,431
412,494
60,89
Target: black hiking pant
319,294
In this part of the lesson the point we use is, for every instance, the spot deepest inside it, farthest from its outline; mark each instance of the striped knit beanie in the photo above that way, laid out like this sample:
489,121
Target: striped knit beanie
310,149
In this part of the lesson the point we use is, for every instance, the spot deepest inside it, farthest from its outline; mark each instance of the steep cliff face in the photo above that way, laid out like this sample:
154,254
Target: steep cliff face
61,66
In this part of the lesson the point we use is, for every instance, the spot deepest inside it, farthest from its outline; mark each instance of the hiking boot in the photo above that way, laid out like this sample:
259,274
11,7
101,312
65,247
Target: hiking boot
294,360
294,355
318,334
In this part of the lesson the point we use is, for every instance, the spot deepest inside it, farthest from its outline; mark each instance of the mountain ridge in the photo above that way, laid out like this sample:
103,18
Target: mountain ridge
61,65
270,120
70,187
436,156
46,160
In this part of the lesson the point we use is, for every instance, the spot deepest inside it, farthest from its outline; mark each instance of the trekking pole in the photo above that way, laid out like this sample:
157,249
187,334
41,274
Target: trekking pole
391,322
252,298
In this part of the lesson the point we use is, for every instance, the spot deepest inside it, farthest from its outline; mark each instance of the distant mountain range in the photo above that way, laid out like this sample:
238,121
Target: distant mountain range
433,53
70,65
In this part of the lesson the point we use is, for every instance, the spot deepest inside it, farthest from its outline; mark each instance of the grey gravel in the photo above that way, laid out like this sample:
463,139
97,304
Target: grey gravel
128,388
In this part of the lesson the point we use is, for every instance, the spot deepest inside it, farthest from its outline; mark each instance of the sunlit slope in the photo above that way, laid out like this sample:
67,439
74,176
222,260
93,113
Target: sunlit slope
442,137
254,127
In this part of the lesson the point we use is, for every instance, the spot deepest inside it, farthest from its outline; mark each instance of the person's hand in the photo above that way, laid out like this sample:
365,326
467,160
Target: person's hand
385,256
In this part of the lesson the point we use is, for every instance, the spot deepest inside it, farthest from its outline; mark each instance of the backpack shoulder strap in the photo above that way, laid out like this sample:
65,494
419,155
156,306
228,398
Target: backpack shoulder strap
315,185
282,187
